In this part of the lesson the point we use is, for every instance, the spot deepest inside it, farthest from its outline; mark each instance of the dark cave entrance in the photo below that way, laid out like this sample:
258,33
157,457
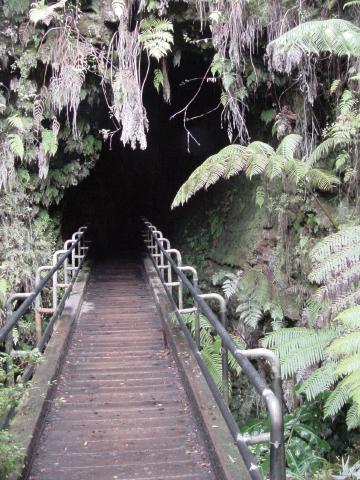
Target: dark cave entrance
127,184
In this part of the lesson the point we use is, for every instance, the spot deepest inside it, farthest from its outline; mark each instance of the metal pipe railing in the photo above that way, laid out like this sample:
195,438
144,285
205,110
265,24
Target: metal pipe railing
272,398
74,250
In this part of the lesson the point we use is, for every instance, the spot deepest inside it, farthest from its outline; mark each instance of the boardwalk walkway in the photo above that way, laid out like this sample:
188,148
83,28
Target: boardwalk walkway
120,410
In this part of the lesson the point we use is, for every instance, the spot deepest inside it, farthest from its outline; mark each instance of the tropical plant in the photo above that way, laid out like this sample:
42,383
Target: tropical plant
304,446
332,348
334,36
211,349
254,296
257,158
156,36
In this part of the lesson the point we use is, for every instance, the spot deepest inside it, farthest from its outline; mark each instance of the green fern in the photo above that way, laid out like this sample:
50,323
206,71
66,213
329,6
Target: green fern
158,79
321,380
299,347
334,36
156,36
336,242
17,122
16,145
353,417
258,158
49,142
336,400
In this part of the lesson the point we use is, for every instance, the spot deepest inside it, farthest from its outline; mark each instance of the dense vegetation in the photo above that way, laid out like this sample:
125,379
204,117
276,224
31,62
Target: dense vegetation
287,78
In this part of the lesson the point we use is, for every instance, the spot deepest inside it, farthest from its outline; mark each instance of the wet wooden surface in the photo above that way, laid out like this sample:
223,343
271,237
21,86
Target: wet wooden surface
120,410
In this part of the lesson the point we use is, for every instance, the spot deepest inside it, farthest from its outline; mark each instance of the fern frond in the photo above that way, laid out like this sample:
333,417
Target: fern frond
49,142
156,36
289,145
353,417
350,317
15,121
296,170
336,400
346,344
275,166
347,102
319,381
212,360
334,36
341,303
250,312
333,243
312,353
340,284
324,149
334,264
322,180
299,348
228,162
231,284
348,365
257,164
158,79
16,145
260,196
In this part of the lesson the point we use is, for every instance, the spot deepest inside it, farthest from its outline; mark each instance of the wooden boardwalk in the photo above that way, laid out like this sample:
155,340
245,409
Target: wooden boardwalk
120,410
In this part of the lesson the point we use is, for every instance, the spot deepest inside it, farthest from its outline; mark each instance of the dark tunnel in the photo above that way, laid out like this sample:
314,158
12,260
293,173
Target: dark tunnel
127,184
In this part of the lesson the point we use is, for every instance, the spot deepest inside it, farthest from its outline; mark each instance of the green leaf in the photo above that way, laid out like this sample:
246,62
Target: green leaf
260,196
16,145
158,79
49,142
268,115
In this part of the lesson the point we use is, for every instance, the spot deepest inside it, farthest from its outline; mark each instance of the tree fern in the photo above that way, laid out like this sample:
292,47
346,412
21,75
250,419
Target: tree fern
258,158
334,36
335,242
353,419
321,380
336,400
156,36
299,347
347,365
288,146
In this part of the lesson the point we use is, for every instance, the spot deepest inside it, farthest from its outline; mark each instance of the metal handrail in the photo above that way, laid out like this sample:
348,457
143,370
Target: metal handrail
272,397
76,250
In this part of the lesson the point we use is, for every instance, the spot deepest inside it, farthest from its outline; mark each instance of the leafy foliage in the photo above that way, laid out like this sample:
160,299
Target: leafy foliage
336,264
257,158
158,79
334,36
45,13
156,36
304,447
16,145
211,349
